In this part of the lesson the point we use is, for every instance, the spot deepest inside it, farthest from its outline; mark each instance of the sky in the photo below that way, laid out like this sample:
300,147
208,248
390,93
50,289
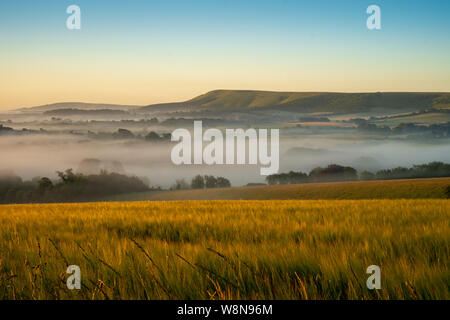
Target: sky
143,52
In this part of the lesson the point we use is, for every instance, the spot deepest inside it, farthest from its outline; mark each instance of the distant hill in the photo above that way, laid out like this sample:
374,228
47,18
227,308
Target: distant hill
307,102
79,106
81,112
301,102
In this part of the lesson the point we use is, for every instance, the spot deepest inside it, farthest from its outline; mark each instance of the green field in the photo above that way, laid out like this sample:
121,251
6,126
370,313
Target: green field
314,249
425,119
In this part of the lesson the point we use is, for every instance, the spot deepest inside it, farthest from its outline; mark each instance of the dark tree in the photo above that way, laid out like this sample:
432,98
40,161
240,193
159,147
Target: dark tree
291,177
333,172
152,136
123,134
198,182
68,176
210,182
45,183
223,182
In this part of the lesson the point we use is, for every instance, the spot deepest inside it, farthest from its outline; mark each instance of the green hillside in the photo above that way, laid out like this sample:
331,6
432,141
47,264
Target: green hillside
302,102
228,100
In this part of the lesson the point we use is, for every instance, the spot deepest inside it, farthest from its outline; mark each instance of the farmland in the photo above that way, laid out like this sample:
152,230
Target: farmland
271,249
435,188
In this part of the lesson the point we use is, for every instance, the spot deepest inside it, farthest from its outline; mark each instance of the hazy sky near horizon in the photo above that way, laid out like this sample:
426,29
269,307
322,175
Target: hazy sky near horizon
142,52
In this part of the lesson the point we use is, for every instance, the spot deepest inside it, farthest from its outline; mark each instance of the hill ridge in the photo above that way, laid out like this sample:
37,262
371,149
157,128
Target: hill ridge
335,102
227,100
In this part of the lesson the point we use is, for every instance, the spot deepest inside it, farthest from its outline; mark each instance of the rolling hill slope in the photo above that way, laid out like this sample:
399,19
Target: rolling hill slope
306,102
301,102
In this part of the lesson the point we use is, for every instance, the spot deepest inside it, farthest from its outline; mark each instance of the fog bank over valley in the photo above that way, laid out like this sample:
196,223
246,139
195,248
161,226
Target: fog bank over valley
364,131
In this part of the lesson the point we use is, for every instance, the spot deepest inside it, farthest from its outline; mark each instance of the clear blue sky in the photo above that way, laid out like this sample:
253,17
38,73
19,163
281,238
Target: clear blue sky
142,52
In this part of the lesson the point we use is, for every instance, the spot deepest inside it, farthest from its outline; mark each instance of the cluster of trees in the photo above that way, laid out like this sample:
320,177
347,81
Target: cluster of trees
287,178
151,136
336,172
202,182
125,134
10,131
70,187
429,170
186,122
333,172
5,129
437,130
120,134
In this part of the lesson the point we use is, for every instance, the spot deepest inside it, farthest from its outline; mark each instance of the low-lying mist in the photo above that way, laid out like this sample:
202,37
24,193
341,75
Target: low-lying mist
41,155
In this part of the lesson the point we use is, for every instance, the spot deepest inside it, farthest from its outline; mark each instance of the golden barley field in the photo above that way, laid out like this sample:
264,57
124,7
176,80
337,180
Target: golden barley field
292,249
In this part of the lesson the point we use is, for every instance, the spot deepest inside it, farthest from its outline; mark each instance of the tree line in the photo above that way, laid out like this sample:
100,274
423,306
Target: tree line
202,182
70,187
438,130
335,173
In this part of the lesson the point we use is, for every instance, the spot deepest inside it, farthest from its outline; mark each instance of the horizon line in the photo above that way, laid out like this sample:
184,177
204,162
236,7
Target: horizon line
217,90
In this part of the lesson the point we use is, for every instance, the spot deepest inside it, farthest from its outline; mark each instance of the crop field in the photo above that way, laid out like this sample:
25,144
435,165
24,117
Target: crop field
431,188
271,249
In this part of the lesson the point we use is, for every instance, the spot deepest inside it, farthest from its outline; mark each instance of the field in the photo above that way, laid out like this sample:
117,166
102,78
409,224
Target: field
427,118
381,189
293,249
